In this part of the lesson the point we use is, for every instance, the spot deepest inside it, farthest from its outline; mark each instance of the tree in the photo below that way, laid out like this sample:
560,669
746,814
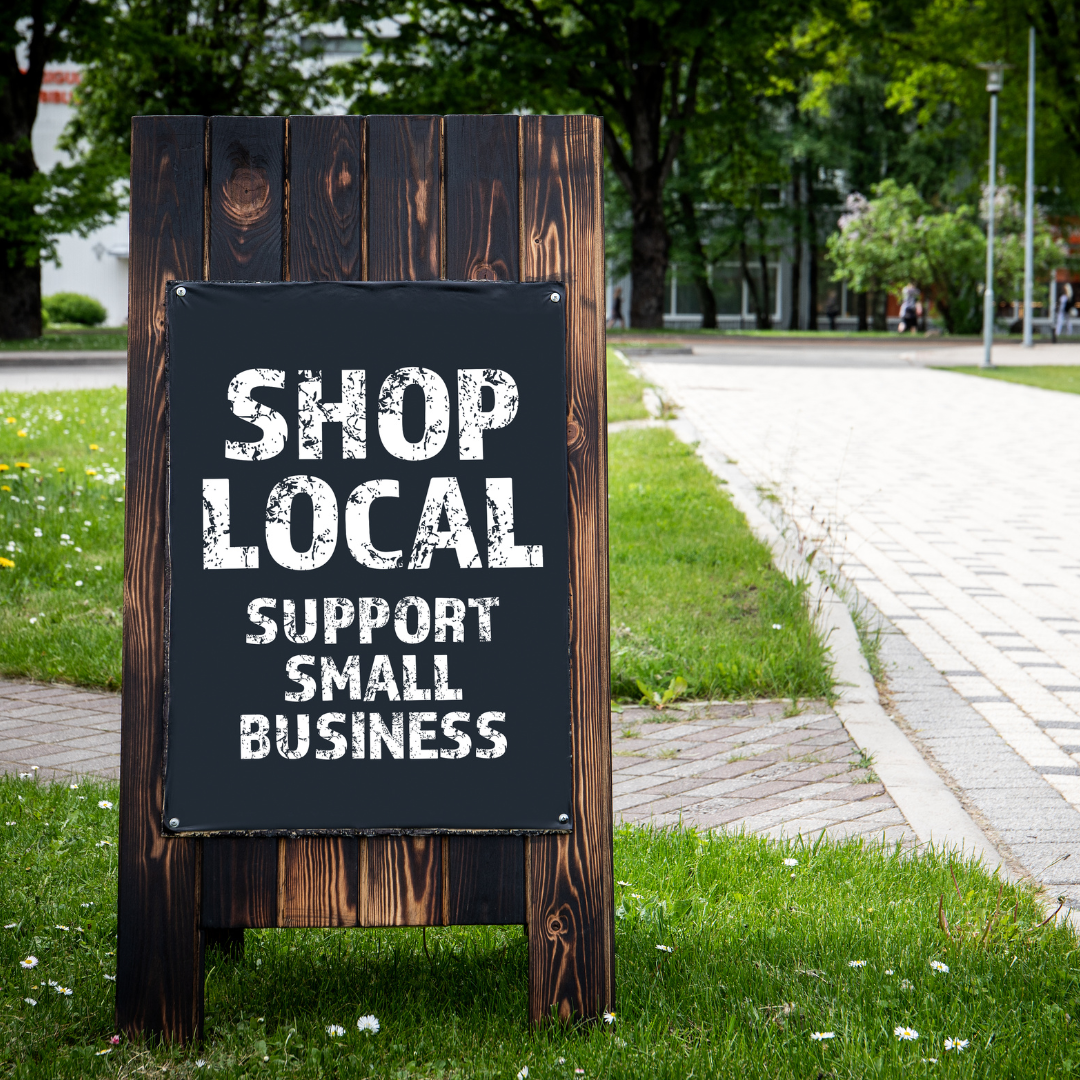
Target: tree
897,238
640,64
36,207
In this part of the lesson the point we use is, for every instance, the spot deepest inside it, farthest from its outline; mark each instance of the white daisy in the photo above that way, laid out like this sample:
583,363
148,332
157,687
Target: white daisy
889,971
956,1044
111,978
665,948
819,1036
335,1029
29,962
30,1001
937,965
905,1033
856,963
105,804
524,1073
609,1018
368,1023
791,862
200,1063
626,884
102,1053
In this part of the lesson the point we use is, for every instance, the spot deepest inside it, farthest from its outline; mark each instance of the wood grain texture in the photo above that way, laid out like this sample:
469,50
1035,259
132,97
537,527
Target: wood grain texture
404,177
570,893
401,877
247,197
482,198
247,215
486,874
159,944
401,881
239,882
325,198
318,881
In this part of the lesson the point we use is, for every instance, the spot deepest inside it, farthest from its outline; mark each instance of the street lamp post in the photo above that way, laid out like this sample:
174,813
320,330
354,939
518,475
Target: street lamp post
995,77
1029,200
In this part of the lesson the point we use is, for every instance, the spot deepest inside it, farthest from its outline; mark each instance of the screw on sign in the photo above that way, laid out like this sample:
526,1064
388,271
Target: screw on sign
371,515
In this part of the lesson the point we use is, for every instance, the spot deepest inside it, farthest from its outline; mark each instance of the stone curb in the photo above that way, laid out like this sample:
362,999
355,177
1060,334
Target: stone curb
932,810
60,357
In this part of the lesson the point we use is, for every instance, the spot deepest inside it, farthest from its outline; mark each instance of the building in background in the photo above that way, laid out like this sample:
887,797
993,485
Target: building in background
96,265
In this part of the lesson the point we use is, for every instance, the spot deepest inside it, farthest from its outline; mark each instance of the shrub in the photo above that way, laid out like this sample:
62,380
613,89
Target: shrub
69,307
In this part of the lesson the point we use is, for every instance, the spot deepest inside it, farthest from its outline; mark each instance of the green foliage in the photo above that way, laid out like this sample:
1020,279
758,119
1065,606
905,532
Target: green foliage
897,237
693,594
759,960
1065,378
61,600
69,307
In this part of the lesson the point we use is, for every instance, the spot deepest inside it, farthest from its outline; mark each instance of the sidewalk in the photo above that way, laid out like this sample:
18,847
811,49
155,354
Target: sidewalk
953,503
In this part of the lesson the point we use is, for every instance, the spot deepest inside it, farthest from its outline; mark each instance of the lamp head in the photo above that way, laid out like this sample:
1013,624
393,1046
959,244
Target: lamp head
995,76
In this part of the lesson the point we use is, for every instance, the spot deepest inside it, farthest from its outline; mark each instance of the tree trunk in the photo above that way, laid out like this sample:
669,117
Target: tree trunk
648,264
20,300
860,311
699,264
796,239
764,314
879,305
751,285
811,230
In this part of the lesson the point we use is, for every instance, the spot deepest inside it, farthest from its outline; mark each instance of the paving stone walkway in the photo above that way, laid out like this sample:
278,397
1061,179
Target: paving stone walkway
748,766
953,504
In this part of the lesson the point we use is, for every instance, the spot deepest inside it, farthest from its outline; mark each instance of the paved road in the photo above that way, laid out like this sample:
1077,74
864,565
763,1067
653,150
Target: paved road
953,503
89,371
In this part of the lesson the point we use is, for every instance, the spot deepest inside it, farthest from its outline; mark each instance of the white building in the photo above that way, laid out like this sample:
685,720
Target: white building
96,266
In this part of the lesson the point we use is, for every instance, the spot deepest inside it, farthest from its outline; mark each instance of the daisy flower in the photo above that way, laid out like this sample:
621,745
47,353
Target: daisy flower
956,1044
368,1023
104,804
627,884
335,1029
791,862
102,1053
665,948
524,1073
30,1001
905,1033
937,965
609,1018
29,962
821,1036
889,971
10,925
856,963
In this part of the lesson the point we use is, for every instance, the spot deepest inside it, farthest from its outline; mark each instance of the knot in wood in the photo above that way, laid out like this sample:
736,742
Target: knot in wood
484,273
246,195
573,432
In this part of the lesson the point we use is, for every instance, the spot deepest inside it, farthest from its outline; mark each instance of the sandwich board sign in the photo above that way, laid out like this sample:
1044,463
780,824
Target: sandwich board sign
366,675
367,549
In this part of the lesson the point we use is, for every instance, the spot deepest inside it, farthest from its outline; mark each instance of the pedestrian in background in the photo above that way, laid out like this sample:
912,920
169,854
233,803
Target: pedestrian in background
909,309
616,310
1064,311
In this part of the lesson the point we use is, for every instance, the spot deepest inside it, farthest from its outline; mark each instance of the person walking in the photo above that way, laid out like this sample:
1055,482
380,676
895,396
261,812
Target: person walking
616,310
909,309
1064,311
832,309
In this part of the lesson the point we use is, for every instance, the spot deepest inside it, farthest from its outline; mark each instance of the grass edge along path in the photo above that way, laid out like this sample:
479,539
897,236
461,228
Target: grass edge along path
736,955
1064,378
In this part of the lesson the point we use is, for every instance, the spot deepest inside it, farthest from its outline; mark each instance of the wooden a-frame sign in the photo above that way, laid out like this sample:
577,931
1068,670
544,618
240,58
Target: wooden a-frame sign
362,199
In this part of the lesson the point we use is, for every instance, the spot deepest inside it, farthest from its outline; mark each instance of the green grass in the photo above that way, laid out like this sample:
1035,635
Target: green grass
1045,376
61,601
623,391
693,593
761,960
66,339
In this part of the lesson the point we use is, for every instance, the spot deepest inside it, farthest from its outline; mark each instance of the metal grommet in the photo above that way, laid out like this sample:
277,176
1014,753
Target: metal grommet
174,823
555,297
181,291
564,818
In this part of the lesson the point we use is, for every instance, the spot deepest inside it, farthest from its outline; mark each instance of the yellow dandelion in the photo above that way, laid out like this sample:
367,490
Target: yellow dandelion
22,464
91,472
3,467
10,420
4,487
94,446
7,564
60,468
21,434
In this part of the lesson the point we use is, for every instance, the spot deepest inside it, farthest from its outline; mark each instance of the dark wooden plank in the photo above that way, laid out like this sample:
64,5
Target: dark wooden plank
247,214
486,880
247,197
401,878
570,887
318,885
486,874
401,881
404,177
325,198
482,198
239,882
159,944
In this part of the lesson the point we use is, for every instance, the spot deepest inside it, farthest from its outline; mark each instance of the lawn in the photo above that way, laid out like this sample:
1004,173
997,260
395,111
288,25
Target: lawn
1045,376
105,338
693,595
757,956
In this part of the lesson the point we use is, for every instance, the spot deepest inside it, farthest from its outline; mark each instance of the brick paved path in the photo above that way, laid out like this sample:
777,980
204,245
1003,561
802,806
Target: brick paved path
748,766
62,730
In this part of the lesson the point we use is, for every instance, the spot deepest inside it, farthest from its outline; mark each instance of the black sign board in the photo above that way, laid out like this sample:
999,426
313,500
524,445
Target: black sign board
367,623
